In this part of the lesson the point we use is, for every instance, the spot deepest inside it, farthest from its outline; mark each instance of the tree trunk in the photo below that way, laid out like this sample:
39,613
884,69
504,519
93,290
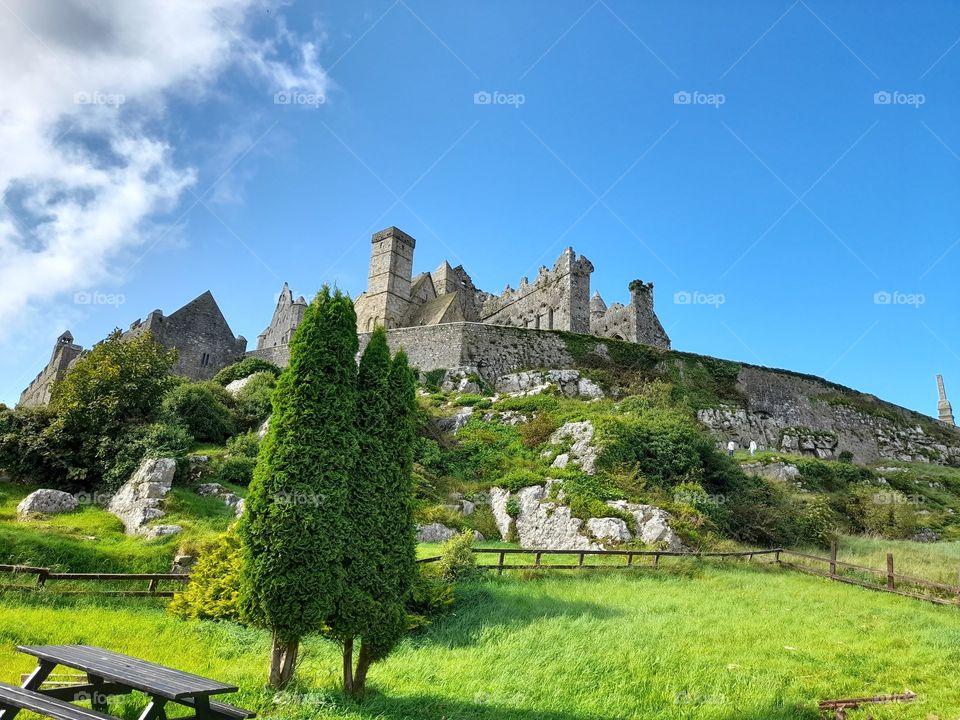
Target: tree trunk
360,677
283,661
348,666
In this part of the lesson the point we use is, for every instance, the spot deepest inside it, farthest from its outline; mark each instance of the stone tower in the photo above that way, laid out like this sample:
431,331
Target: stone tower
64,354
387,300
649,331
944,410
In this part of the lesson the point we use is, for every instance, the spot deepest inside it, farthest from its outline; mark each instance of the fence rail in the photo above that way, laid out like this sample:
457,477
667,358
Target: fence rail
892,582
45,576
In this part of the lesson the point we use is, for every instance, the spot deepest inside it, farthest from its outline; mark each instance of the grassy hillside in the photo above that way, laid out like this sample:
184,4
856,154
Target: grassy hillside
92,540
713,641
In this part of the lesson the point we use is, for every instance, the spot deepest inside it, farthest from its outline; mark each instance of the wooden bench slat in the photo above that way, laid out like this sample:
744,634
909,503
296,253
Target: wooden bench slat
139,674
223,708
17,697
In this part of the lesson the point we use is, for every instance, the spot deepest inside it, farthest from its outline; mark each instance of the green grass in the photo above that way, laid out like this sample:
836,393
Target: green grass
92,540
702,640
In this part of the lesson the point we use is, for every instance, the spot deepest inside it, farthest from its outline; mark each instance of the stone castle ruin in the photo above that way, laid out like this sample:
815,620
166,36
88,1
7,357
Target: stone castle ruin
557,299
198,331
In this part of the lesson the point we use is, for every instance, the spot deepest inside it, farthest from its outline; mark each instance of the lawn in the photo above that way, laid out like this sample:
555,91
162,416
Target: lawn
708,639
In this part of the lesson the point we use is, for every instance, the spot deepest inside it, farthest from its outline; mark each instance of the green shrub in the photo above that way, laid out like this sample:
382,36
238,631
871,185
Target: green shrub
467,399
213,590
34,449
252,403
536,432
457,561
126,452
519,478
430,596
530,403
433,378
882,511
845,456
236,470
512,507
244,445
203,408
243,368
426,515
483,521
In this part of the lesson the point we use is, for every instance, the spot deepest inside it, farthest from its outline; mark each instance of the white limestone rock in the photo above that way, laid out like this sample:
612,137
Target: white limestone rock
545,524
582,452
569,382
236,386
498,505
434,532
454,423
262,431
140,499
611,529
461,380
651,524
46,502
155,531
782,471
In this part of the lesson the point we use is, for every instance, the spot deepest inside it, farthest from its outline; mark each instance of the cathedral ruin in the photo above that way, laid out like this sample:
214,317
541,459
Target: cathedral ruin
557,299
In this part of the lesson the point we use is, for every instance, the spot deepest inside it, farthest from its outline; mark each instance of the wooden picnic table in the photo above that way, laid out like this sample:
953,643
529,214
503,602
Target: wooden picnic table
111,673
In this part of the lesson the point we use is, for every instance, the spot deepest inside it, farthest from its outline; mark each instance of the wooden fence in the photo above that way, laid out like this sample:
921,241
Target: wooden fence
45,576
525,559
888,579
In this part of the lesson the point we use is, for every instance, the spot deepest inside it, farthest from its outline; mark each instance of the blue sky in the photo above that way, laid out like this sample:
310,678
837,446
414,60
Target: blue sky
814,167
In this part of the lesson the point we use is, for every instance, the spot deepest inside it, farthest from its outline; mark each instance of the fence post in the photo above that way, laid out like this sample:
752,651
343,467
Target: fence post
656,559
538,559
42,578
153,585
580,561
833,559
500,564
629,559
890,577
777,557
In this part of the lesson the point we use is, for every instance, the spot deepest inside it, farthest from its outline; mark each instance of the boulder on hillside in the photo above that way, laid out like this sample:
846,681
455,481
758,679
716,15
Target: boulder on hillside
582,452
46,502
262,431
236,386
231,500
434,532
569,382
140,499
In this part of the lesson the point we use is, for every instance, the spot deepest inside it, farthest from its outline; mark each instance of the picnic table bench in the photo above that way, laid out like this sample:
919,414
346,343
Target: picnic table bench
110,673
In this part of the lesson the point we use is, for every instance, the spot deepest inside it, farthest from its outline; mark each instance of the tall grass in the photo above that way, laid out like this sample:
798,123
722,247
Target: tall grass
705,640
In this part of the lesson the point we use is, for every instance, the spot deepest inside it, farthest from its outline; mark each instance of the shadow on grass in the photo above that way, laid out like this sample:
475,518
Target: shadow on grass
481,608
490,707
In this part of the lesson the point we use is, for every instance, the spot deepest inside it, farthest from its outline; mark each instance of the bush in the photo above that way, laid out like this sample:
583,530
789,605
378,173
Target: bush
253,400
467,399
536,432
244,445
430,595
213,590
483,521
125,453
882,511
203,408
236,470
243,368
33,449
457,561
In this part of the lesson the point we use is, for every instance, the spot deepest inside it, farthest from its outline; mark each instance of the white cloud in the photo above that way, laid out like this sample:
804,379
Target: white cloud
86,164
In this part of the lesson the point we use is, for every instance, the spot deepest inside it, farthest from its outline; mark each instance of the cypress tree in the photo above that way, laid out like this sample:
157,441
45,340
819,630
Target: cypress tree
294,528
396,563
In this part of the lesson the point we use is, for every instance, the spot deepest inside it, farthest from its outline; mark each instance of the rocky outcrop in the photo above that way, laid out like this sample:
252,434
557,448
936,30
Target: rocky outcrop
568,382
808,416
546,523
582,451
650,524
140,500
231,500
453,423
461,380
46,502
262,430
781,471
236,386
437,533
